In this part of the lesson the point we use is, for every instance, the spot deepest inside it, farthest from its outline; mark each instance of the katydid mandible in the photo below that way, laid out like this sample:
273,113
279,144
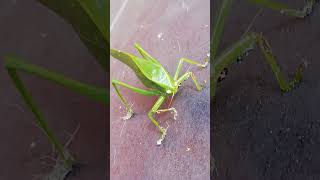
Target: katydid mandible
154,76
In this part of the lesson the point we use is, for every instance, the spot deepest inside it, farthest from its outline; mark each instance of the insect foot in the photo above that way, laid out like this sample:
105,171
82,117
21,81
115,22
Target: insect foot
175,113
130,113
204,84
163,135
206,62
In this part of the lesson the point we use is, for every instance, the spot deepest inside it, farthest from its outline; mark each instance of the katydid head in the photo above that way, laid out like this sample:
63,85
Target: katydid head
172,89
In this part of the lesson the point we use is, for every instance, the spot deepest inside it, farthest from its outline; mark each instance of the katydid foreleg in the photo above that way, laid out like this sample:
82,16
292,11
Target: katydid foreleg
182,60
153,110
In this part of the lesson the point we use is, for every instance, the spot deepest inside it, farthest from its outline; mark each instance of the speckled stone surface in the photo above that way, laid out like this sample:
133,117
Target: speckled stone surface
168,30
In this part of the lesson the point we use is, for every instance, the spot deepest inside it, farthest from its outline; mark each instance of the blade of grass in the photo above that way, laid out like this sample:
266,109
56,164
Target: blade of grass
218,27
40,120
97,10
97,94
89,19
285,9
14,64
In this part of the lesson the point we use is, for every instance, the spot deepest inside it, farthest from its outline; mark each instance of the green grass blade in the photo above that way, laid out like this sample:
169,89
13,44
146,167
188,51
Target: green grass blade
270,4
89,19
285,9
40,120
97,10
218,27
97,94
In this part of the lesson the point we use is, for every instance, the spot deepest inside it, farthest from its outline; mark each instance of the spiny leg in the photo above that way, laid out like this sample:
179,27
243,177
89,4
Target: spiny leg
153,110
242,46
182,60
186,76
115,84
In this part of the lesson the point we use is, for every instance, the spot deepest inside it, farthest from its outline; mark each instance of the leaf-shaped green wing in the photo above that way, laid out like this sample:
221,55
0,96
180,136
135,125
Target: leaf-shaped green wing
150,73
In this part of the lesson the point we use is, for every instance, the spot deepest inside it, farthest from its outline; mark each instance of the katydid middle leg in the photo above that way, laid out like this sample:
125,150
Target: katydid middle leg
186,76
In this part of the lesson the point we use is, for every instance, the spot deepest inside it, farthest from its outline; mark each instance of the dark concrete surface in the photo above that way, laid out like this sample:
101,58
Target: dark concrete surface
260,133
168,30
30,31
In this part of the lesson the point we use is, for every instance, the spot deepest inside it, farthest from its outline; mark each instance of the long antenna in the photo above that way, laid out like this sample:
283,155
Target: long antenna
171,100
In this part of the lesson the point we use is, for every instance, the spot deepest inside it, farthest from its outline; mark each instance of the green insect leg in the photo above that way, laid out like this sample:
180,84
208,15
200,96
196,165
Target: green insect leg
182,60
242,46
186,76
116,83
271,60
277,6
153,110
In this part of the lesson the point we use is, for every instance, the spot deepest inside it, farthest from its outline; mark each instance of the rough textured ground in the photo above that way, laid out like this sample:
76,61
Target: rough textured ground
38,35
168,30
258,132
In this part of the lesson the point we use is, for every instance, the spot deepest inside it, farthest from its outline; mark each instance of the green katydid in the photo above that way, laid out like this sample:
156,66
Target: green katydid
154,76
248,41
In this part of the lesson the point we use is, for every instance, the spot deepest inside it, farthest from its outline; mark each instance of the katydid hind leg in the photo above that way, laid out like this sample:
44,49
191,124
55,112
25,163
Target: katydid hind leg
130,112
241,47
271,60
